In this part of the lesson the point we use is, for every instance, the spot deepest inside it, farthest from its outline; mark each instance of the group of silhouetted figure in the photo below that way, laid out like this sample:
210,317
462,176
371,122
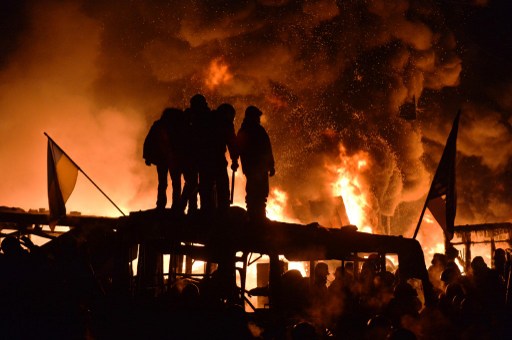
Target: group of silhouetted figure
377,304
192,143
370,303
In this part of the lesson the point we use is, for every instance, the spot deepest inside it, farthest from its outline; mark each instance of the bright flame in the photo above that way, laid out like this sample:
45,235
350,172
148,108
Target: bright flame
276,204
218,73
366,229
300,266
349,184
430,237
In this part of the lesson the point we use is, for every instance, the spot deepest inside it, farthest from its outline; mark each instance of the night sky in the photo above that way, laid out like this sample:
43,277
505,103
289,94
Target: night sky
327,74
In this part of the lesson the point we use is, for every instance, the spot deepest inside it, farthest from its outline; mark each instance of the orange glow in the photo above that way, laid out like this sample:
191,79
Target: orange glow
300,266
349,184
218,73
430,236
277,102
276,204
72,74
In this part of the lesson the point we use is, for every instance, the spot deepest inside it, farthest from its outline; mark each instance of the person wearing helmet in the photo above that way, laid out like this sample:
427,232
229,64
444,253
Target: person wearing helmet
257,162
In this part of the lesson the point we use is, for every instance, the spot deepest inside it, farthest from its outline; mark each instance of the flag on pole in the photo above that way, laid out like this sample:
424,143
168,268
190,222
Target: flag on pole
62,175
442,196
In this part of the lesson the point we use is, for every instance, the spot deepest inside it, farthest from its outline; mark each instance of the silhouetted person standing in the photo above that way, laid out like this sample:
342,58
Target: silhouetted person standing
318,295
224,137
203,125
215,132
189,157
257,162
158,150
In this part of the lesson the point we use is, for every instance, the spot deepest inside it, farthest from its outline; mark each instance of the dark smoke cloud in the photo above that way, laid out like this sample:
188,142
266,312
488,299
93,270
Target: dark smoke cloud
96,74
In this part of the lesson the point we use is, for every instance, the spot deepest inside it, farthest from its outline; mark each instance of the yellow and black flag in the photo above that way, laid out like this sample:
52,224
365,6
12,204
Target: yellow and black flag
62,175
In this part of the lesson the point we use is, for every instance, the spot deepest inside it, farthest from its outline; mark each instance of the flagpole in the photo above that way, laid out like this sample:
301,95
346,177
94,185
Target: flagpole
421,218
72,161
452,137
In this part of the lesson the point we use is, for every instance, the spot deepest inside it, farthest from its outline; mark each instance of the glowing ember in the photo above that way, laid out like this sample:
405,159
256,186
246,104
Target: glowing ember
218,73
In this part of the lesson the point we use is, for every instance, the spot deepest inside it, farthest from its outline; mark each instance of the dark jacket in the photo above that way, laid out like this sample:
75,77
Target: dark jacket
157,145
254,148
224,131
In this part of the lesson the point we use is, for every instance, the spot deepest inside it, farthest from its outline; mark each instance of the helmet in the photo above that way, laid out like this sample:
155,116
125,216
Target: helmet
198,100
227,111
253,111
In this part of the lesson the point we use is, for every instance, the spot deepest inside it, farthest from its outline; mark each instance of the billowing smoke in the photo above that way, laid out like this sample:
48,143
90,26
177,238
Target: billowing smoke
95,74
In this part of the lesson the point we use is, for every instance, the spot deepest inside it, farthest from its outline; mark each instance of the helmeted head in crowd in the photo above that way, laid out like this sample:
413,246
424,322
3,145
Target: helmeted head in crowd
226,111
253,114
198,101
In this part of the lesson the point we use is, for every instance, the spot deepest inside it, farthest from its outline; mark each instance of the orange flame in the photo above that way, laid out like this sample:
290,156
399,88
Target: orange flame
350,185
276,204
218,73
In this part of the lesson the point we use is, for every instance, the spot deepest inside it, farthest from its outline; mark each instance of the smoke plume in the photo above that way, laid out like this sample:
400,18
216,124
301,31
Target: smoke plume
96,74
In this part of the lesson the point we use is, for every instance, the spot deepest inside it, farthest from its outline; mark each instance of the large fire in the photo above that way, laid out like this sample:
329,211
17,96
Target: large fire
276,204
311,66
350,185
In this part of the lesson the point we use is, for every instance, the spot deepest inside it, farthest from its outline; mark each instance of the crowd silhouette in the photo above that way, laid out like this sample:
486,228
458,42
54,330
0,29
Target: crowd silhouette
192,144
59,298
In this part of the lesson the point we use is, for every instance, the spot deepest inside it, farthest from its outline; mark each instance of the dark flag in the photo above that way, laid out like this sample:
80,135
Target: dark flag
442,196
62,175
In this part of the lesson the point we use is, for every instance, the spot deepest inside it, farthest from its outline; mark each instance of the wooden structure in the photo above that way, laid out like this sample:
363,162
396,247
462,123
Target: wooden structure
224,240
488,233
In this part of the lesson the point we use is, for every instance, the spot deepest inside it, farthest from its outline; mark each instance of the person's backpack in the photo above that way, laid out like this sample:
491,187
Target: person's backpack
151,151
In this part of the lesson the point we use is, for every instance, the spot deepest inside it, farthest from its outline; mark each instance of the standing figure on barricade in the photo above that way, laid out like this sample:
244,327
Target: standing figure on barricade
203,125
189,156
158,150
224,138
257,162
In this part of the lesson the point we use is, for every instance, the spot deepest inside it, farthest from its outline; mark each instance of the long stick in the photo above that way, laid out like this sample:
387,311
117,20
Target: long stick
232,187
72,161
421,216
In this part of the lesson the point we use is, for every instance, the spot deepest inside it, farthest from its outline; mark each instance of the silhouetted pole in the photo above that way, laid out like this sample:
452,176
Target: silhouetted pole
443,182
232,188
421,218
79,169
